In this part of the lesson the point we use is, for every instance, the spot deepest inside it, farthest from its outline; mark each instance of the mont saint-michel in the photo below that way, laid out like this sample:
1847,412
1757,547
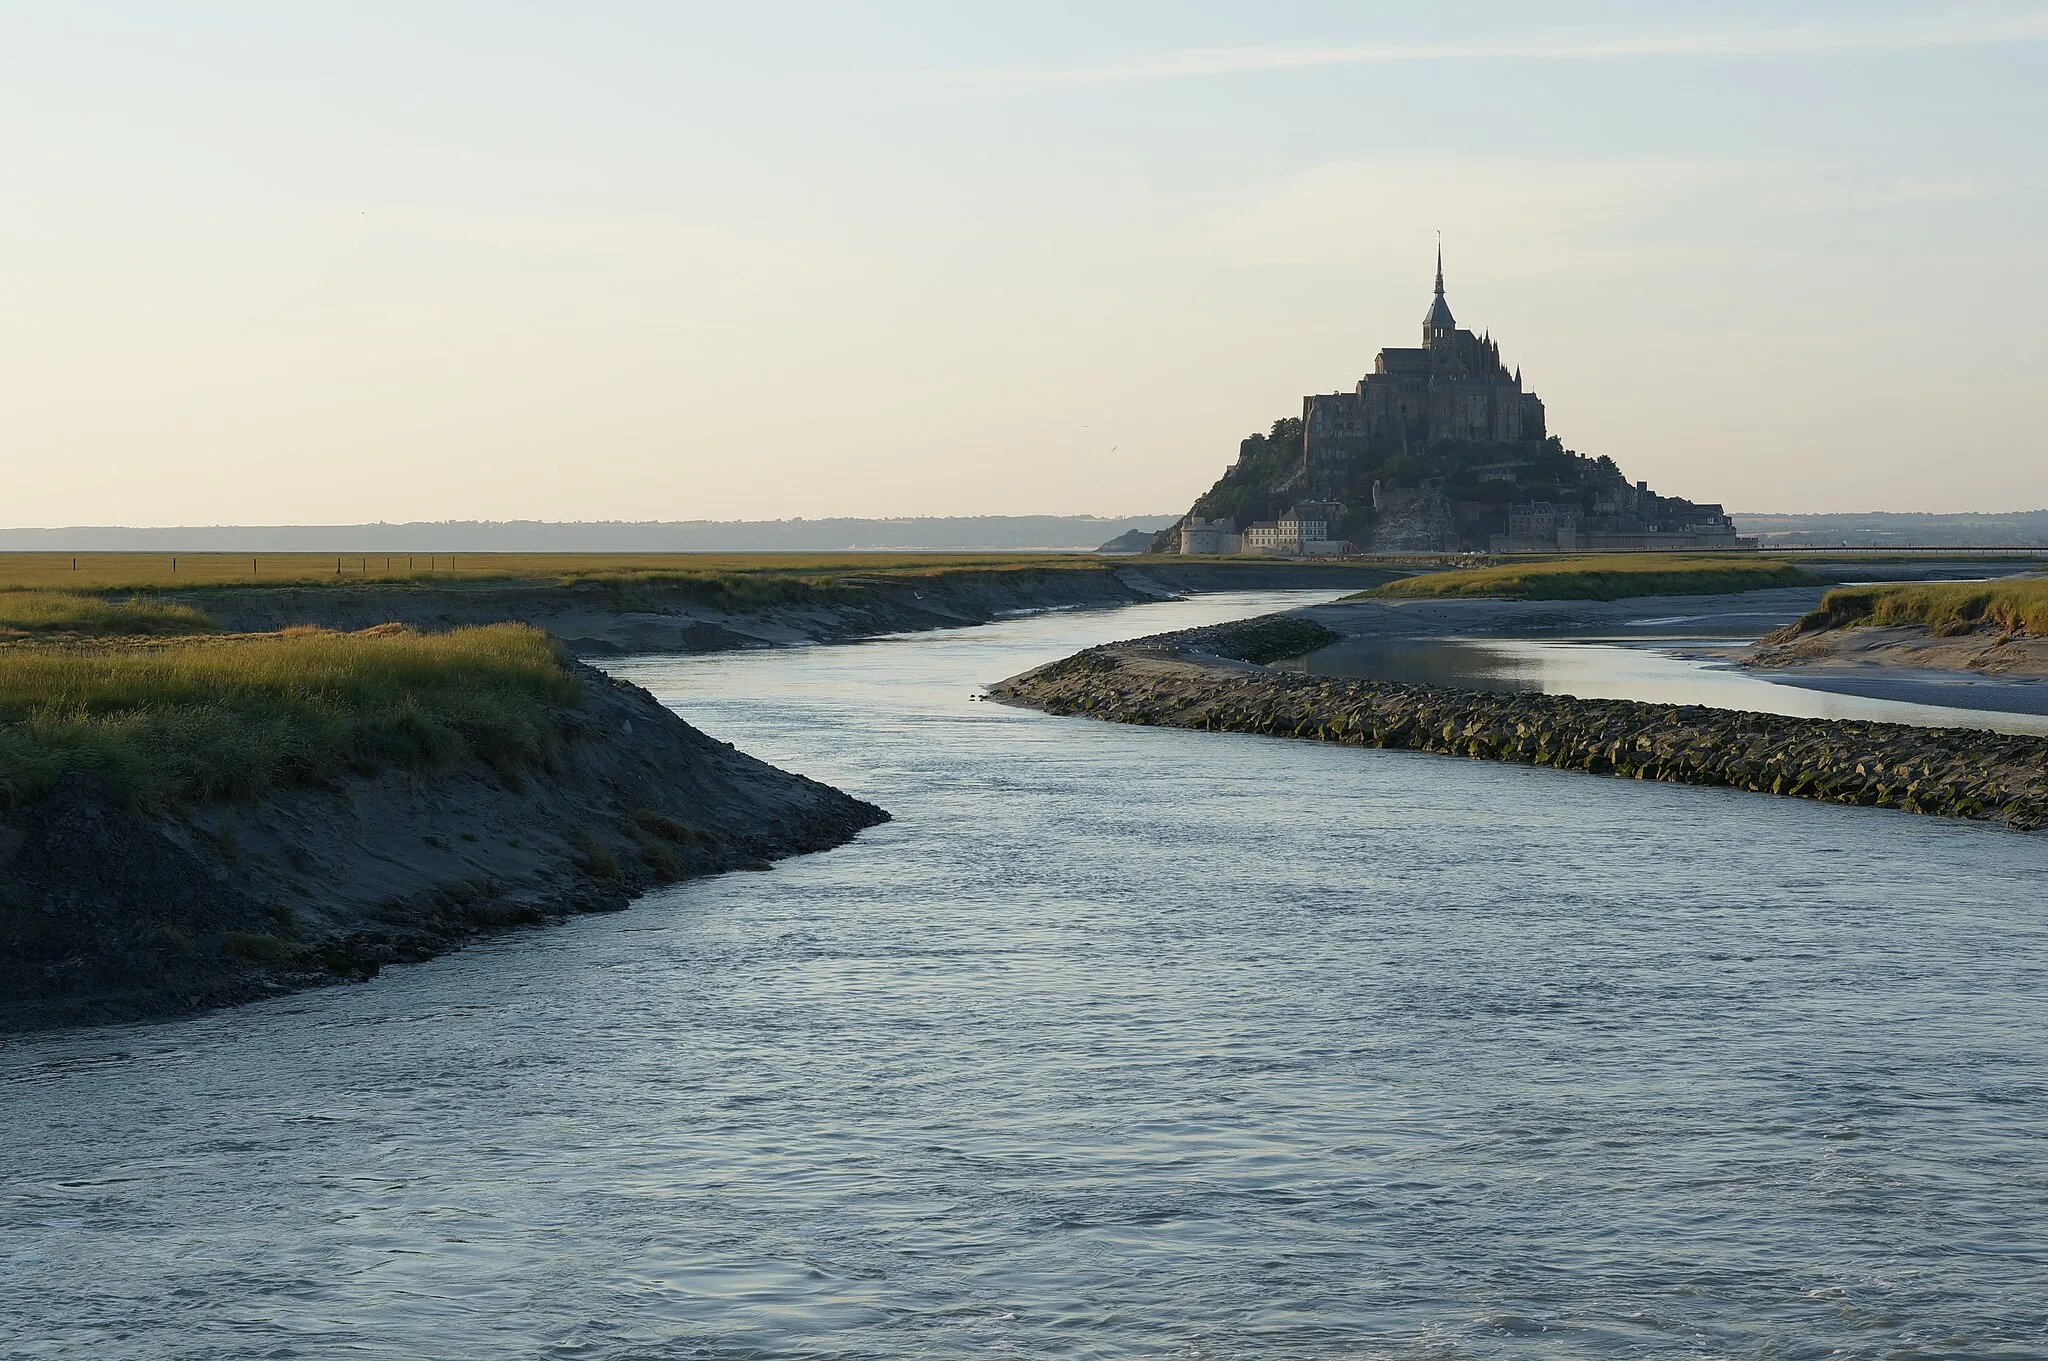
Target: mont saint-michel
1440,448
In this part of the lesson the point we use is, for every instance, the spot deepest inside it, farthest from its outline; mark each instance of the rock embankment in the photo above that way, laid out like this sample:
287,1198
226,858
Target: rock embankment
112,912
1201,680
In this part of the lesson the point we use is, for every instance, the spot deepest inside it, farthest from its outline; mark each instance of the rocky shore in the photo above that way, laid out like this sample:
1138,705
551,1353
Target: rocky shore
1210,679
114,912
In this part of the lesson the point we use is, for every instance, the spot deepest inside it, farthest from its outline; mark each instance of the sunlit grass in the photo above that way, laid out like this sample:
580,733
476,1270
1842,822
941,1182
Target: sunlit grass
159,571
232,716
26,612
1613,576
1943,608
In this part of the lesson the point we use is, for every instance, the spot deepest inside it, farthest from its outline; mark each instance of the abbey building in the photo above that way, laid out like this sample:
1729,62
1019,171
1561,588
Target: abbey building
1451,387
1439,449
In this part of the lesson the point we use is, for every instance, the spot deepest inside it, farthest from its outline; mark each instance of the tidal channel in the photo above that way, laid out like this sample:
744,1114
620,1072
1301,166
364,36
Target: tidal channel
1116,1042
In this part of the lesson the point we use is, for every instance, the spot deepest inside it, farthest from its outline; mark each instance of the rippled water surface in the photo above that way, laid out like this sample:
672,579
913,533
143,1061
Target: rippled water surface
1117,1042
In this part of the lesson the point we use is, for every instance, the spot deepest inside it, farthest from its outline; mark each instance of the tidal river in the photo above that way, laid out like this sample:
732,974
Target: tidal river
1117,1042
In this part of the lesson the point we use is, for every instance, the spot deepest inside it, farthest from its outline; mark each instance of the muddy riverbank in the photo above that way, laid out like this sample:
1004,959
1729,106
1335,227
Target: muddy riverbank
114,912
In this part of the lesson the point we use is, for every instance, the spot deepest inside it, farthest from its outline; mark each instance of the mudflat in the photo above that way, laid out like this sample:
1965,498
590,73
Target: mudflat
1990,653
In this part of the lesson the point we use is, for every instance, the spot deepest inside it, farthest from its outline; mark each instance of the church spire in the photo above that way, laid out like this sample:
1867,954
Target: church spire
1438,325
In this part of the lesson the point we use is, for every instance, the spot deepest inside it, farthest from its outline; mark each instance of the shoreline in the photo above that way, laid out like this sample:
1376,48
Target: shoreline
1989,653
598,620
110,912
118,913
1752,632
1212,680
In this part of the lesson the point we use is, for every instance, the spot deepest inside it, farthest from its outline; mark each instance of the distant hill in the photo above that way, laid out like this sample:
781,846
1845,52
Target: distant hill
1137,539
970,533
2025,528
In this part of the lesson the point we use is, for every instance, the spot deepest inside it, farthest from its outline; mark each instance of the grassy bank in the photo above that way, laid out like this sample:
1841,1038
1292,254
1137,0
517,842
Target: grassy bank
159,571
113,572
1616,576
231,716
1943,608
28,612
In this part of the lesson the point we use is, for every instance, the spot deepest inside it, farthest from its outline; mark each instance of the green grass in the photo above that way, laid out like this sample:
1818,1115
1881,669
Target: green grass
1615,576
119,572
228,717
735,591
26,612
180,571
1943,608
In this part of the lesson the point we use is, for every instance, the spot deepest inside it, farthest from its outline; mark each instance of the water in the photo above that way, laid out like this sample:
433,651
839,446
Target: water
1673,672
1118,1042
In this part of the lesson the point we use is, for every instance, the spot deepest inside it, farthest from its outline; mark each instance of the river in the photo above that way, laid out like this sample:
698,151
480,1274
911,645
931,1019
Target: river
1118,1042
1682,670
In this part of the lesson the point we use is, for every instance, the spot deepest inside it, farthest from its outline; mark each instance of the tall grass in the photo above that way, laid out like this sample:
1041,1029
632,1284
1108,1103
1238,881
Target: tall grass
29,611
1943,608
720,590
183,571
1615,576
230,717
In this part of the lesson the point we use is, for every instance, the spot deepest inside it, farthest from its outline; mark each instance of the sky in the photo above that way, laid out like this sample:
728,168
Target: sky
312,263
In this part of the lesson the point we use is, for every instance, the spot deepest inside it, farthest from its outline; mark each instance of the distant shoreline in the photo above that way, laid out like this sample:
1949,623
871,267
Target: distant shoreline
909,534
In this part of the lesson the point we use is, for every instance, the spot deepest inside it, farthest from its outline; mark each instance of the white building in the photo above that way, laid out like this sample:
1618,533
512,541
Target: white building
1295,534
1209,536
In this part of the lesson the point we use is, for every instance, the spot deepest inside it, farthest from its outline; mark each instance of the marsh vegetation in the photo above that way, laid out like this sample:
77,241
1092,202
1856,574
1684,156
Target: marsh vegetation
1614,576
1945,609
216,717
30,612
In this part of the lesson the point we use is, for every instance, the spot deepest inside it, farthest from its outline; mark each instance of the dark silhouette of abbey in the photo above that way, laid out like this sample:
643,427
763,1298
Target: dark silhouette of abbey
1440,448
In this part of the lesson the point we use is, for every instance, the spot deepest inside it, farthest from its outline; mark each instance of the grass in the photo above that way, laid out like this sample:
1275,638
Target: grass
26,612
1614,576
228,717
1943,608
161,571
101,572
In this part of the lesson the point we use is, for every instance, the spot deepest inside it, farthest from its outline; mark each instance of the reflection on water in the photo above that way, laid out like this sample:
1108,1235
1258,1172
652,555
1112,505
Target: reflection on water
1673,673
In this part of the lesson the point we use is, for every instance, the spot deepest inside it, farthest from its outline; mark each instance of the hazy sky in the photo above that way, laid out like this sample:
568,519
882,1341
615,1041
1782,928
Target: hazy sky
307,263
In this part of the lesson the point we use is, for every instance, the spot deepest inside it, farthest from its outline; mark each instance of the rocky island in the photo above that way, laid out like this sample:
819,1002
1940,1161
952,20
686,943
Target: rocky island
1441,447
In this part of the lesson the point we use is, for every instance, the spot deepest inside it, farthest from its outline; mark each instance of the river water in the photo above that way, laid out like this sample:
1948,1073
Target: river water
1117,1042
1679,670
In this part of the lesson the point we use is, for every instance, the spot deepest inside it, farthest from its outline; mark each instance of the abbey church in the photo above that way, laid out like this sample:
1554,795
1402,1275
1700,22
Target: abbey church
1439,449
1451,387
